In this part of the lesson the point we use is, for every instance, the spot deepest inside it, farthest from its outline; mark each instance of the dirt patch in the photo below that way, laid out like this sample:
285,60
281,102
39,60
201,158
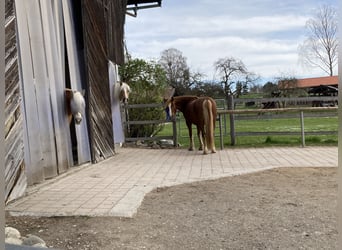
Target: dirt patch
287,208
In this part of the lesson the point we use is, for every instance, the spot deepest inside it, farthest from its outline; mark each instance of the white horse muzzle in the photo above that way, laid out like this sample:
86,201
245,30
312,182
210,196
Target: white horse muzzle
78,118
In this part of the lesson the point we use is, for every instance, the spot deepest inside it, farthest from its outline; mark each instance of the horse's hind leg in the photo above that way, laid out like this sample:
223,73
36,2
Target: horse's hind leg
200,138
210,141
211,136
205,142
192,145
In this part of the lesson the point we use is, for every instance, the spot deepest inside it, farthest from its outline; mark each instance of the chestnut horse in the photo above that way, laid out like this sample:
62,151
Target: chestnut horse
200,111
75,105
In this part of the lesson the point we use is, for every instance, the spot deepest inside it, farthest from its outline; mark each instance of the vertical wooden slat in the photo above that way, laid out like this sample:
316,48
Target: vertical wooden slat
115,18
33,154
99,102
83,147
32,145
2,134
15,177
41,151
57,9
56,86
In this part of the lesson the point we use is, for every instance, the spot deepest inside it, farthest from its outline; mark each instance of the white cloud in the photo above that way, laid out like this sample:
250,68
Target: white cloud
264,34
217,25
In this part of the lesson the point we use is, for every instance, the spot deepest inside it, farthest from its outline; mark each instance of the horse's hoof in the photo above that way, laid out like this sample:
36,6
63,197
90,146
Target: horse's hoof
191,149
200,148
205,152
213,151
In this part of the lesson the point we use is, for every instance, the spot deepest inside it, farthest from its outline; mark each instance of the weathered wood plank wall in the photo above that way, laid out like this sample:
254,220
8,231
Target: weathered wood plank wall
95,13
115,18
40,157
15,177
42,73
35,82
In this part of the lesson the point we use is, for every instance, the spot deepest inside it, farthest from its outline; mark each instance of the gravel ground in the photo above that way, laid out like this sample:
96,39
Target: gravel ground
287,208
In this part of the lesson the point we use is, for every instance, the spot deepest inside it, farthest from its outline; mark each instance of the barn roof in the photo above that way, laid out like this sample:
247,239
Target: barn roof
317,81
135,5
130,2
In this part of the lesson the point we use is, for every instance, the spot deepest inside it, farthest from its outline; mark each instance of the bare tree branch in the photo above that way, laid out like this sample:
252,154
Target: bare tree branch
177,70
321,46
227,68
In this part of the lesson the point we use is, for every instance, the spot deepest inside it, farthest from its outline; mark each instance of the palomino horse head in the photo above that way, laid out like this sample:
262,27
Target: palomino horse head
75,105
179,103
125,90
171,108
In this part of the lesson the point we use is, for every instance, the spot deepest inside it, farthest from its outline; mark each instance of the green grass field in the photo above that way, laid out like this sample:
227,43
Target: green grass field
266,124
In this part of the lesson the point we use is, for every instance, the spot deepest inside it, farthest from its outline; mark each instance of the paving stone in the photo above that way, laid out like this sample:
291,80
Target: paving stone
117,186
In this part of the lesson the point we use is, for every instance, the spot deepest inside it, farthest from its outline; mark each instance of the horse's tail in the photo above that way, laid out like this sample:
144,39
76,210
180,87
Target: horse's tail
209,119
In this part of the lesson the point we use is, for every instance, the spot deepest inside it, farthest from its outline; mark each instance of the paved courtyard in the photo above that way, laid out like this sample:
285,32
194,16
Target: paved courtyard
117,186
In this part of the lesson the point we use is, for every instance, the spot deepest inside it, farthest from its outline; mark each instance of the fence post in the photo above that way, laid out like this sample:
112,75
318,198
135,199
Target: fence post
302,128
221,133
231,118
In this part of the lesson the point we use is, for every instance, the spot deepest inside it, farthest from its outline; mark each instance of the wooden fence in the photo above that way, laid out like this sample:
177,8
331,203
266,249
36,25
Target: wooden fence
127,123
300,111
280,105
225,116
314,101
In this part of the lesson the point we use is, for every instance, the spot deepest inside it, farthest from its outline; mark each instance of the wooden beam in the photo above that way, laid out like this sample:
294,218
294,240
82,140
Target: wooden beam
2,127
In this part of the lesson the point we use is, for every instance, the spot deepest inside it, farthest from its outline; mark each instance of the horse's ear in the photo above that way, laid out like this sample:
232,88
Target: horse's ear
173,92
68,93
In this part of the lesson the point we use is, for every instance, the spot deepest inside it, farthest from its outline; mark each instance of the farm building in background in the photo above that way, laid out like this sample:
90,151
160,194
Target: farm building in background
317,86
321,86
51,46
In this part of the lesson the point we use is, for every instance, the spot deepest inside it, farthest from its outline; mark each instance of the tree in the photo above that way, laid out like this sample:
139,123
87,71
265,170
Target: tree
148,82
242,86
256,88
228,68
320,49
288,86
177,71
207,89
269,88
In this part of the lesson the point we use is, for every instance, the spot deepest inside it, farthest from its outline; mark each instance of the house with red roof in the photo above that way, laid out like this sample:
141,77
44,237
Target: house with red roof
318,81
322,86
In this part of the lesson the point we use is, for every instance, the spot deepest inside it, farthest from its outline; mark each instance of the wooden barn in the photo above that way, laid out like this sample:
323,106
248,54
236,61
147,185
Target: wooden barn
321,86
51,46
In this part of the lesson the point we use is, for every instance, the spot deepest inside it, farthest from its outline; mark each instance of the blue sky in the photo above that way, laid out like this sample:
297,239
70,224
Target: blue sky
264,34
